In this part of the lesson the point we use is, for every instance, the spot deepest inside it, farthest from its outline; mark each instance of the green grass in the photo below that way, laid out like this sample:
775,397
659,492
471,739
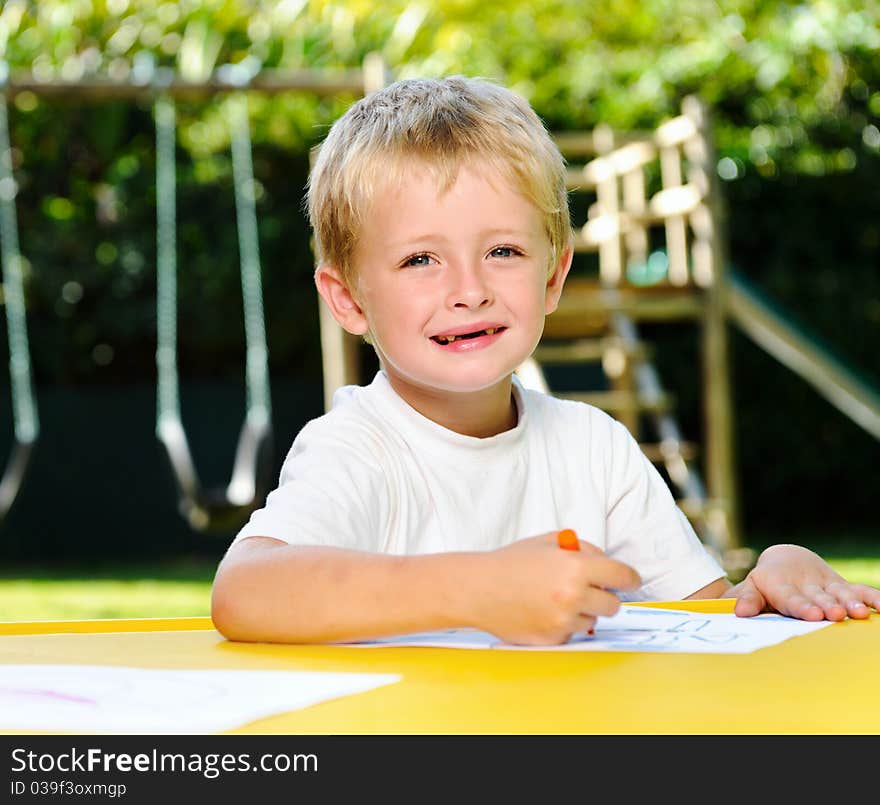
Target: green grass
860,571
182,588
136,590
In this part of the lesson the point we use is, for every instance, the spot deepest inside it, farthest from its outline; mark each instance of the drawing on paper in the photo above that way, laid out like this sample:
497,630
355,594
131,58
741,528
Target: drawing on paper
637,629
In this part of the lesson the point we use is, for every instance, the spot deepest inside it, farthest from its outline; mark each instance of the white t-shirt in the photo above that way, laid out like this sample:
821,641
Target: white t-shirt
373,474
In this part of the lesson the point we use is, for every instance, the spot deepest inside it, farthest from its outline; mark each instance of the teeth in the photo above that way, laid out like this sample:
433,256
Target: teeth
448,339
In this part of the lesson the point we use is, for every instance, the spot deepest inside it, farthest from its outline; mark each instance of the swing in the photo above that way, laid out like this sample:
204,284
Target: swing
226,508
26,426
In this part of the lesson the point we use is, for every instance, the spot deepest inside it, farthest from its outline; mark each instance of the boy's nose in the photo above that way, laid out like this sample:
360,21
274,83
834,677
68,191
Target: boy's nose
469,288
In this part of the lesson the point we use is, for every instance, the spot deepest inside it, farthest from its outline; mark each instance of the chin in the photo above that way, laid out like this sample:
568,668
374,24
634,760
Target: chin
468,384
467,377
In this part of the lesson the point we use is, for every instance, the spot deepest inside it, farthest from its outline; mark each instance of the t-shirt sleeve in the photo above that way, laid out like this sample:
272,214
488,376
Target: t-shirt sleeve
645,527
331,491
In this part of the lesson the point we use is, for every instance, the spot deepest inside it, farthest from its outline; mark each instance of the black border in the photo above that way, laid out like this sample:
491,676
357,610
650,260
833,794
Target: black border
500,768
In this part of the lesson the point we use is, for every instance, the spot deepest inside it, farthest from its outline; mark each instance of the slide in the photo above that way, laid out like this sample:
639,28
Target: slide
793,346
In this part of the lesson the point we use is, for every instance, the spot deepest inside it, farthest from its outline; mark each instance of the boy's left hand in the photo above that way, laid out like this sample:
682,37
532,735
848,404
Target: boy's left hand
794,581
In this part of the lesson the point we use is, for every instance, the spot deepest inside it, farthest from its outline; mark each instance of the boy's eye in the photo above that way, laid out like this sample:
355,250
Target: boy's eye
504,251
418,260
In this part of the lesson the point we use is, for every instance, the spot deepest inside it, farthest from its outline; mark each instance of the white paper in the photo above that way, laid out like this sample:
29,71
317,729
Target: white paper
639,629
106,699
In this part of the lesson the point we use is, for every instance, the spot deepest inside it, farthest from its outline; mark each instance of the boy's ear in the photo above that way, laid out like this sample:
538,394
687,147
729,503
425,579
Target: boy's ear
340,300
557,280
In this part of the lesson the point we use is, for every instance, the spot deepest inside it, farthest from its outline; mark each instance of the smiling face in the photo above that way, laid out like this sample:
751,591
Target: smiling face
452,286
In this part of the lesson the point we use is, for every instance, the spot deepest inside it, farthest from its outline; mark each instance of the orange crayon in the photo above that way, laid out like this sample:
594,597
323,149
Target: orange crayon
568,540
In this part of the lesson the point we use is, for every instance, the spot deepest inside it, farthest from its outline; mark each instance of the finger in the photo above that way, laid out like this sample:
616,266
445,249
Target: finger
858,599
869,595
750,601
857,609
586,624
789,600
611,574
579,623
832,608
596,601
792,602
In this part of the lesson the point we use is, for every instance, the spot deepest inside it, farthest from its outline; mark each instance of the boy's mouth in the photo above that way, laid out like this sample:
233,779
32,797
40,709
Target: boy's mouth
449,339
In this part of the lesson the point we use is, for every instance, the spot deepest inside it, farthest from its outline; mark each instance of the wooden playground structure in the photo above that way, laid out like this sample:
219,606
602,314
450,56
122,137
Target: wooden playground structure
598,316
654,196
653,202
627,225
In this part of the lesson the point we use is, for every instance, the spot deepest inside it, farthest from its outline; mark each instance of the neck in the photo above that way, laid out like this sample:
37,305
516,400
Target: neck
480,414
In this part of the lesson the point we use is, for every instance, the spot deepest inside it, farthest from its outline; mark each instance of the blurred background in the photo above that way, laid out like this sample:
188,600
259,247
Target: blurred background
793,91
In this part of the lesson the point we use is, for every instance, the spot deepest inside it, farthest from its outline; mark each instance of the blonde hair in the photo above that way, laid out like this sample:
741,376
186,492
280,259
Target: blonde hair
444,123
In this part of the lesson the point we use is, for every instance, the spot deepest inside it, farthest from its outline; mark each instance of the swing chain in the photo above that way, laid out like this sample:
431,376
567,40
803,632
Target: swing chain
24,409
248,480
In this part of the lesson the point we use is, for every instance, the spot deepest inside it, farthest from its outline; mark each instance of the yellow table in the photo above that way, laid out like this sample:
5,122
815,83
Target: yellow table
820,683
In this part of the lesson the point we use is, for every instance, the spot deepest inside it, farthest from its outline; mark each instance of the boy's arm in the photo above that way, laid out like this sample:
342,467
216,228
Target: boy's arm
527,592
269,591
795,581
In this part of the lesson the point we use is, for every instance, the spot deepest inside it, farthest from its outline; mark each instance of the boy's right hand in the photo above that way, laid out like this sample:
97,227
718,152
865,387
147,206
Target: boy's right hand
534,593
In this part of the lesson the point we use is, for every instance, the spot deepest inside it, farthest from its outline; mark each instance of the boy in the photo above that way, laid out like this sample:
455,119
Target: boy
432,498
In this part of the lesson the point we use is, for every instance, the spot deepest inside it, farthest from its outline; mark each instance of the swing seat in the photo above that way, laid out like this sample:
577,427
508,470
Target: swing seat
13,475
221,509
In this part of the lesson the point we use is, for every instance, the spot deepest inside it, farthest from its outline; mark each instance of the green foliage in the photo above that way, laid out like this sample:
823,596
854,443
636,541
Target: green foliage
794,90
793,84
